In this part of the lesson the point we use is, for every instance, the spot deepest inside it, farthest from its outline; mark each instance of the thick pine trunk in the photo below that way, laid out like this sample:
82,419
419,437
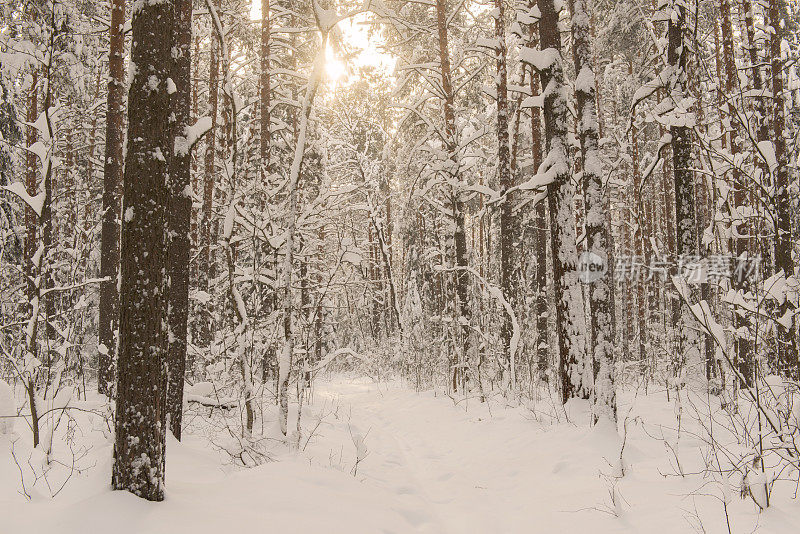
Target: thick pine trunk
179,216
570,319
141,380
686,226
600,303
787,342
112,182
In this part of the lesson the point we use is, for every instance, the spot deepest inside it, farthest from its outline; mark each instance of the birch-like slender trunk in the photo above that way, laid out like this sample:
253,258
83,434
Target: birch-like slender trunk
285,360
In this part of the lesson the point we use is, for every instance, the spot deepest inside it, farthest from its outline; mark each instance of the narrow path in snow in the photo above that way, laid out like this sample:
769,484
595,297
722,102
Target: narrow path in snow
457,471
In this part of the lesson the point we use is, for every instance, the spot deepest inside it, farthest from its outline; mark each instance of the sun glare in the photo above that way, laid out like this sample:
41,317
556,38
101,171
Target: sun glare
355,36
335,70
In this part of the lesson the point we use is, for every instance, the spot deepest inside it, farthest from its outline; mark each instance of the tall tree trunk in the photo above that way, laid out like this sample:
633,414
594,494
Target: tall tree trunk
459,235
504,174
285,361
787,342
640,247
265,90
602,335
686,227
179,216
207,256
540,217
32,186
112,182
741,227
570,319
141,380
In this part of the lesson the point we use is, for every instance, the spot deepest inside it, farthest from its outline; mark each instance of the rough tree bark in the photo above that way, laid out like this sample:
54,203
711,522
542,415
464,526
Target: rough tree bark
505,179
601,324
787,342
540,223
179,216
112,182
742,228
206,259
457,205
570,327
141,380
685,224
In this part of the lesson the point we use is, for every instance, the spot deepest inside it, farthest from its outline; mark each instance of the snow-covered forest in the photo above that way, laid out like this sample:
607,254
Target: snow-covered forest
438,266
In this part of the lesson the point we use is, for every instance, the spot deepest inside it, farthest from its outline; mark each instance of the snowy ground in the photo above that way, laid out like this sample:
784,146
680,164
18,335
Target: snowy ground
429,465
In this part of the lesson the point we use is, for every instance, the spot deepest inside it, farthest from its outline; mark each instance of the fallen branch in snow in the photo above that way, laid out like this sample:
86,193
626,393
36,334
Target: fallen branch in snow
210,402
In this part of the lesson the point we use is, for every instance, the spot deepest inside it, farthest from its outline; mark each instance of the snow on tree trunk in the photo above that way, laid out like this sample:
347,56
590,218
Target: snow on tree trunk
457,205
743,351
32,187
141,377
681,133
206,258
787,342
540,218
179,216
570,320
285,360
108,321
265,93
601,333
505,179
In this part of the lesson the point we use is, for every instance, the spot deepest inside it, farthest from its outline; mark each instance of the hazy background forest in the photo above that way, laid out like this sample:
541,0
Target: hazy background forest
400,265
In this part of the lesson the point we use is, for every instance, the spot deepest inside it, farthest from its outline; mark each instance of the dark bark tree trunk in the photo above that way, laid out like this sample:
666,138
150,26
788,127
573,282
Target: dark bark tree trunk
686,226
787,342
540,218
600,303
639,247
179,216
32,186
505,180
742,228
459,235
570,318
265,89
141,379
207,255
112,181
